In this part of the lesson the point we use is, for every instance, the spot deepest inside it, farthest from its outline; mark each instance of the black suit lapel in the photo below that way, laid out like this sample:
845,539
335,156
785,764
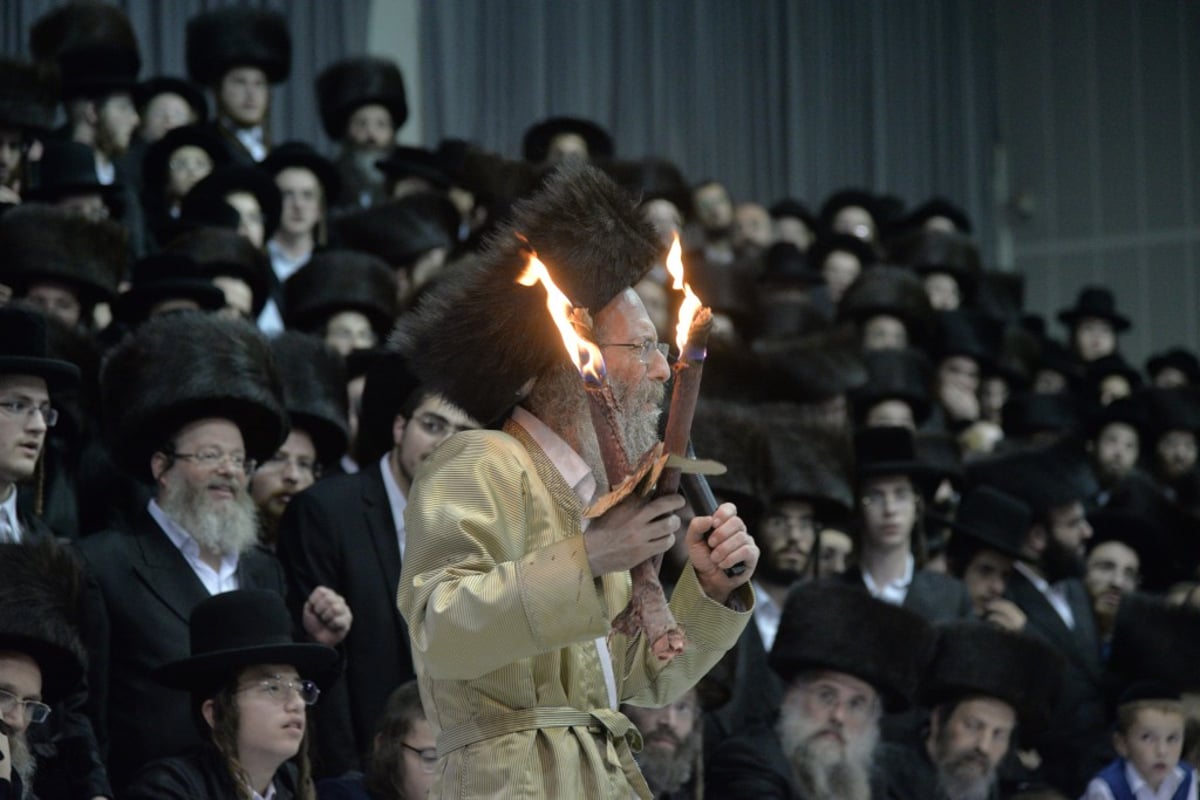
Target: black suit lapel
381,529
164,570
1042,617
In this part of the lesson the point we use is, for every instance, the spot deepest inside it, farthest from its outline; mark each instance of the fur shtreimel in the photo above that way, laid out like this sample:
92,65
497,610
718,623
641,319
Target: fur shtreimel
813,368
314,391
894,291
44,243
220,252
28,95
939,251
896,375
340,280
346,86
399,231
827,626
809,463
479,337
178,368
1153,640
977,659
218,41
41,610
729,432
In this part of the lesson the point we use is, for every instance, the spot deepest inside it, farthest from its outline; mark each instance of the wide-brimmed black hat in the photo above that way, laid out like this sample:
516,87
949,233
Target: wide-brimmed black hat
94,45
242,628
24,350
1032,413
399,231
28,95
193,95
789,207
860,249
1044,478
1098,302
654,178
968,334
999,295
43,244
975,659
1129,410
847,198
230,178
784,263
994,520
340,280
1113,364
885,451
932,208
828,626
1183,360
538,138
166,276
235,36
314,391
302,155
1174,409
41,611
896,375
416,162
387,386
1142,533
930,252
155,165
348,85
221,252
68,168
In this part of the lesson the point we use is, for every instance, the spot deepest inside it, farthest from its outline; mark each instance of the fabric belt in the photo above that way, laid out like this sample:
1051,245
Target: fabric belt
613,724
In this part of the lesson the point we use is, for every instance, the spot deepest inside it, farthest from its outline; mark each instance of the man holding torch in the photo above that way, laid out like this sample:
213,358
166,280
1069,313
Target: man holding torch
518,558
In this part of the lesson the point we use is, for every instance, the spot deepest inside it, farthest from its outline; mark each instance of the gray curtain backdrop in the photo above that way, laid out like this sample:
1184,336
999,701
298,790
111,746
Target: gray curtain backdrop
322,32
773,97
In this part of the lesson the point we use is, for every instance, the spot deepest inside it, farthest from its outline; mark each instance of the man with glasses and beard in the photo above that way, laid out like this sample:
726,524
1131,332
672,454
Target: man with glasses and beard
508,588
672,745
1046,586
984,686
189,402
845,658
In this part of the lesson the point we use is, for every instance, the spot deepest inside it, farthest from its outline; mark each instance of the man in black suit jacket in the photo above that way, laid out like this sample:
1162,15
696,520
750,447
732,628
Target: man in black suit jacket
347,533
191,401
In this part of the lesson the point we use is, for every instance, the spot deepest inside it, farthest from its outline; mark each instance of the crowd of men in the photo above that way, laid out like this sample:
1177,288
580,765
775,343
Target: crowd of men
230,362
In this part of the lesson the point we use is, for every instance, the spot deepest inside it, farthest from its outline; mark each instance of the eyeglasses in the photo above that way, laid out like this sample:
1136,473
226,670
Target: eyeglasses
23,409
280,691
279,462
643,350
437,425
212,459
828,698
428,756
32,709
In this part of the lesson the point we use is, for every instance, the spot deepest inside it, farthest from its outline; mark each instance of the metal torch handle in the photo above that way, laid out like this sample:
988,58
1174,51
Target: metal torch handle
699,494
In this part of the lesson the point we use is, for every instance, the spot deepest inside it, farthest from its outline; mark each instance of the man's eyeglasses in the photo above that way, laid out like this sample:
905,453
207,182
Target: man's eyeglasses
280,691
643,351
32,709
23,409
212,459
428,756
279,462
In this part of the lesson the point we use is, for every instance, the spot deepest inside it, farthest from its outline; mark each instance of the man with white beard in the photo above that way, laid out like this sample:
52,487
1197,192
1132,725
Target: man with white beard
845,658
985,685
191,402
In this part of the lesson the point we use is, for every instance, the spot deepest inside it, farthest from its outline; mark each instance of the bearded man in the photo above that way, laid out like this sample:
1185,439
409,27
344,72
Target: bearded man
844,658
509,591
191,402
672,744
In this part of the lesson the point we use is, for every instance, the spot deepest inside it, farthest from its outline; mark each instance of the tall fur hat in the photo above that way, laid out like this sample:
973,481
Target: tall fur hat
340,280
235,36
43,243
219,252
894,291
41,611
1174,409
540,136
831,626
1153,640
730,433
28,95
314,391
348,85
896,375
479,337
928,252
93,44
400,230
933,208
1177,358
178,368
977,659
813,368
806,462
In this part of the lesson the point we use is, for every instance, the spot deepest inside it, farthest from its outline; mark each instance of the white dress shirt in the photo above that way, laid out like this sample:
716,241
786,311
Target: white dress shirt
1098,789
892,592
396,499
10,526
252,140
1055,594
766,615
215,581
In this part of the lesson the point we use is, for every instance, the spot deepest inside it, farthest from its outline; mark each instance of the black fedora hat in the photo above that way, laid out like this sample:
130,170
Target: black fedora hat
1177,358
301,155
844,242
784,263
1141,531
239,629
24,350
158,155
538,138
1094,301
896,375
230,178
193,95
993,519
68,168
220,252
1033,413
416,162
883,451
162,277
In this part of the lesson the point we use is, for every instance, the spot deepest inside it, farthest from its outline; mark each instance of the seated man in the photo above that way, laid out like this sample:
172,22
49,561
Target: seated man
988,531
672,746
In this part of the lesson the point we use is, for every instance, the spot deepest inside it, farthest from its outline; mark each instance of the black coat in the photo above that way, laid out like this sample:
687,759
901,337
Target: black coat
340,534
141,592
756,692
1075,746
934,597
198,775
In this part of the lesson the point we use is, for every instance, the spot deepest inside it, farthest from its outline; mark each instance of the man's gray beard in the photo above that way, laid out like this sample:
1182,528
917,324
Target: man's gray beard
24,762
958,773
668,772
221,528
821,769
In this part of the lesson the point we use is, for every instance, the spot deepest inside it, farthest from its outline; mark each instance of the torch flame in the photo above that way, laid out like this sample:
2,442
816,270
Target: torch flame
585,354
691,304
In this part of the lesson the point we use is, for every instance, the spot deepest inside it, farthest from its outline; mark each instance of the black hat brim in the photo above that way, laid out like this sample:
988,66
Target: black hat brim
135,304
61,670
59,375
1071,317
313,662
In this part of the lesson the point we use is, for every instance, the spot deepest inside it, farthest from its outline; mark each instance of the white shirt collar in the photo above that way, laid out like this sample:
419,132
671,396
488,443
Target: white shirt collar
1055,594
284,265
106,172
270,795
569,464
9,508
215,581
396,498
252,140
767,614
895,591
1140,789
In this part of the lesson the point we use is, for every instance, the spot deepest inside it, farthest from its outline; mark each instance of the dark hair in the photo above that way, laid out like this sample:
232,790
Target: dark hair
384,778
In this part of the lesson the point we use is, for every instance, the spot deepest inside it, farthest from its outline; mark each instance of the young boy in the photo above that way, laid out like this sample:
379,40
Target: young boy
1149,740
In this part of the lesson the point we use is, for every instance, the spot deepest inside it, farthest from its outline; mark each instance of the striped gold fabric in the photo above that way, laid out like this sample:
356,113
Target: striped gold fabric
503,610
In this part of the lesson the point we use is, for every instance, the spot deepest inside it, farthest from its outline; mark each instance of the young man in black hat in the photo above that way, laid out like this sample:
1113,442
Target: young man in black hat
844,658
512,620
346,297
28,101
1094,323
988,531
190,402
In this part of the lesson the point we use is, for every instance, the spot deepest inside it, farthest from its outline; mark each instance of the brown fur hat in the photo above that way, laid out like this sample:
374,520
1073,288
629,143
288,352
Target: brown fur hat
729,432
929,252
93,44
220,252
225,38
813,368
895,291
28,95
807,462
314,391
348,85
177,368
340,280
480,337
43,243
1156,641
